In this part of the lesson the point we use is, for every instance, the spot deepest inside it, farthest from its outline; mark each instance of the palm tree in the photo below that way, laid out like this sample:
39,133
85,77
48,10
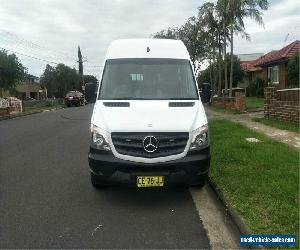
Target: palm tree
237,10
222,13
209,19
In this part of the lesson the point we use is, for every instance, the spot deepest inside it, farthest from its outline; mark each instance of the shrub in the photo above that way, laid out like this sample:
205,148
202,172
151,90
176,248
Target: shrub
292,71
256,87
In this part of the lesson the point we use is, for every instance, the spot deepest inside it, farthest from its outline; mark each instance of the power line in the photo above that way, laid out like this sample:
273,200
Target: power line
33,57
31,45
33,54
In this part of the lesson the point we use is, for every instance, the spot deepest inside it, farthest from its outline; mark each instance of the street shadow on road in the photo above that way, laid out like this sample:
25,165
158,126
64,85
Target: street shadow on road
146,198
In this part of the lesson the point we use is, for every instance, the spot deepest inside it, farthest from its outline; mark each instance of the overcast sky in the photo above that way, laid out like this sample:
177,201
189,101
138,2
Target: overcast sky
52,29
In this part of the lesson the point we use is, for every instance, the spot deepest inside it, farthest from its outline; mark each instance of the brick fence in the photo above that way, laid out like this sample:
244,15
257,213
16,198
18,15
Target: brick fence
238,102
282,104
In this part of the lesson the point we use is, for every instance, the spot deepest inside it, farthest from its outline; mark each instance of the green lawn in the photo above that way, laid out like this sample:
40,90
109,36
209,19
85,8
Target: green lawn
254,103
260,180
278,124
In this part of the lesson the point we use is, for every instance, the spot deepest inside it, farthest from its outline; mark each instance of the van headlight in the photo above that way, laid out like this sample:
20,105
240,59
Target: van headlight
98,139
199,138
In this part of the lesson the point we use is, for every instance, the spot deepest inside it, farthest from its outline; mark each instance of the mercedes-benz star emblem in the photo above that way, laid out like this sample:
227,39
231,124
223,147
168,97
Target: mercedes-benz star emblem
150,144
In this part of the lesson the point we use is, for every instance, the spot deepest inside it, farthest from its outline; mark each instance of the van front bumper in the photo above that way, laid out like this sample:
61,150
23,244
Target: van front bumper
191,169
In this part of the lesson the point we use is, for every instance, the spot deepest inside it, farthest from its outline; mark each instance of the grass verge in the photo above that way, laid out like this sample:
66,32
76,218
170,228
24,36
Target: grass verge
37,109
278,124
31,110
254,103
260,180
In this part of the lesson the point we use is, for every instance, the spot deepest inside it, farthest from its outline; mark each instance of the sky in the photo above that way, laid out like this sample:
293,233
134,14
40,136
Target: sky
43,31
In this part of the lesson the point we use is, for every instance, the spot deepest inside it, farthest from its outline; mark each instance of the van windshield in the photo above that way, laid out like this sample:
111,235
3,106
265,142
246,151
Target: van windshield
148,79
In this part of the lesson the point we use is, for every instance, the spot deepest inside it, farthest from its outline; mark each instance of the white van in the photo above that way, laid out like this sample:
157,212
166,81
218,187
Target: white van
149,126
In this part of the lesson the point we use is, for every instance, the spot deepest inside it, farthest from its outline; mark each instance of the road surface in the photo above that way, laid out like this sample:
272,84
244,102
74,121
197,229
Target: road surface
47,200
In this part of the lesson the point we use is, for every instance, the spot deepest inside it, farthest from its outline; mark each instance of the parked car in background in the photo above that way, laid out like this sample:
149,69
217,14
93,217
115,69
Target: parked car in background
74,98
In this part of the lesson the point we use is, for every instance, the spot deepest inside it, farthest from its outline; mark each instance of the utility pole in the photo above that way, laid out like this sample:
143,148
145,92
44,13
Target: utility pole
80,67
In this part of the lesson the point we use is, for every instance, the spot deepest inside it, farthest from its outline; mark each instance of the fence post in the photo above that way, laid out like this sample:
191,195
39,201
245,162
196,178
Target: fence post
269,98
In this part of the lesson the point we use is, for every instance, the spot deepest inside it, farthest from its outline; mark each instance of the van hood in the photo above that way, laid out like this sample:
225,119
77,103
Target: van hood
148,116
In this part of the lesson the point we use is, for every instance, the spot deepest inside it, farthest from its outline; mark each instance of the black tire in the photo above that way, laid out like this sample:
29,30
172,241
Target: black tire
96,182
68,105
199,185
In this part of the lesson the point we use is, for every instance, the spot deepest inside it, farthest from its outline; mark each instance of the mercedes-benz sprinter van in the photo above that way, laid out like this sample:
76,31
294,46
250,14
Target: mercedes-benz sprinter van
148,127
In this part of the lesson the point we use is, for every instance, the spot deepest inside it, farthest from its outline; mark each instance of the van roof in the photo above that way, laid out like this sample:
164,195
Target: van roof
147,48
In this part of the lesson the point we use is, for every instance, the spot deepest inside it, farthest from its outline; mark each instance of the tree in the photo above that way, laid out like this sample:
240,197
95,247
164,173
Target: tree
60,80
209,20
11,70
206,35
191,35
237,10
90,78
292,70
238,73
222,13
169,33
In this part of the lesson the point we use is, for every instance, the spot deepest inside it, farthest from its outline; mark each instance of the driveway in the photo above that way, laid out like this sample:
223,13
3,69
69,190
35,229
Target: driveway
47,200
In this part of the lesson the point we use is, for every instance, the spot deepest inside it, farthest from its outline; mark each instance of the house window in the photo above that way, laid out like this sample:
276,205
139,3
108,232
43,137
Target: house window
273,75
275,78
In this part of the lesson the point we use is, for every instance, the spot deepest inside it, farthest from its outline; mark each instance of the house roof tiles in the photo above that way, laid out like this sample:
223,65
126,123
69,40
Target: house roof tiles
278,55
250,66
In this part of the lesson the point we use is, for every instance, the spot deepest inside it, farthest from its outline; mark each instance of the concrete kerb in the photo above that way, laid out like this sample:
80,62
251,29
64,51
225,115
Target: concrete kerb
238,220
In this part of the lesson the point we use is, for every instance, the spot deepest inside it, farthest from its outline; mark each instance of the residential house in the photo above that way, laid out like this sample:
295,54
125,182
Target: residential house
251,72
271,67
30,88
274,64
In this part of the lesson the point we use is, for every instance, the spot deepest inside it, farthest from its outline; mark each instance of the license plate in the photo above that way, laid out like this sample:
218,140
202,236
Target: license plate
150,181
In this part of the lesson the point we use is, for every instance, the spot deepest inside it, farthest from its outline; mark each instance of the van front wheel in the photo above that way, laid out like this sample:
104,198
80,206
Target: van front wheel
198,185
199,182
96,182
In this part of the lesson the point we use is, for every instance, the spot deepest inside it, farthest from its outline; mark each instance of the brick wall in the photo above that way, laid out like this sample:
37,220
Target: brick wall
276,108
231,103
4,111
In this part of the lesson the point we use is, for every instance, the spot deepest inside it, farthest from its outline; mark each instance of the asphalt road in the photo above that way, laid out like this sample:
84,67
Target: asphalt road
47,201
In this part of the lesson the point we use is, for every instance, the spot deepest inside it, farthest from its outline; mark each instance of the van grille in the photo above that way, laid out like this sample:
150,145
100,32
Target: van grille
168,143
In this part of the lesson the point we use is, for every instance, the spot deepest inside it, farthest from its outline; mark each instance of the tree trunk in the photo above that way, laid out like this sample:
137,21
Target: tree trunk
210,72
231,59
214,75
220,66
194,66
225,62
